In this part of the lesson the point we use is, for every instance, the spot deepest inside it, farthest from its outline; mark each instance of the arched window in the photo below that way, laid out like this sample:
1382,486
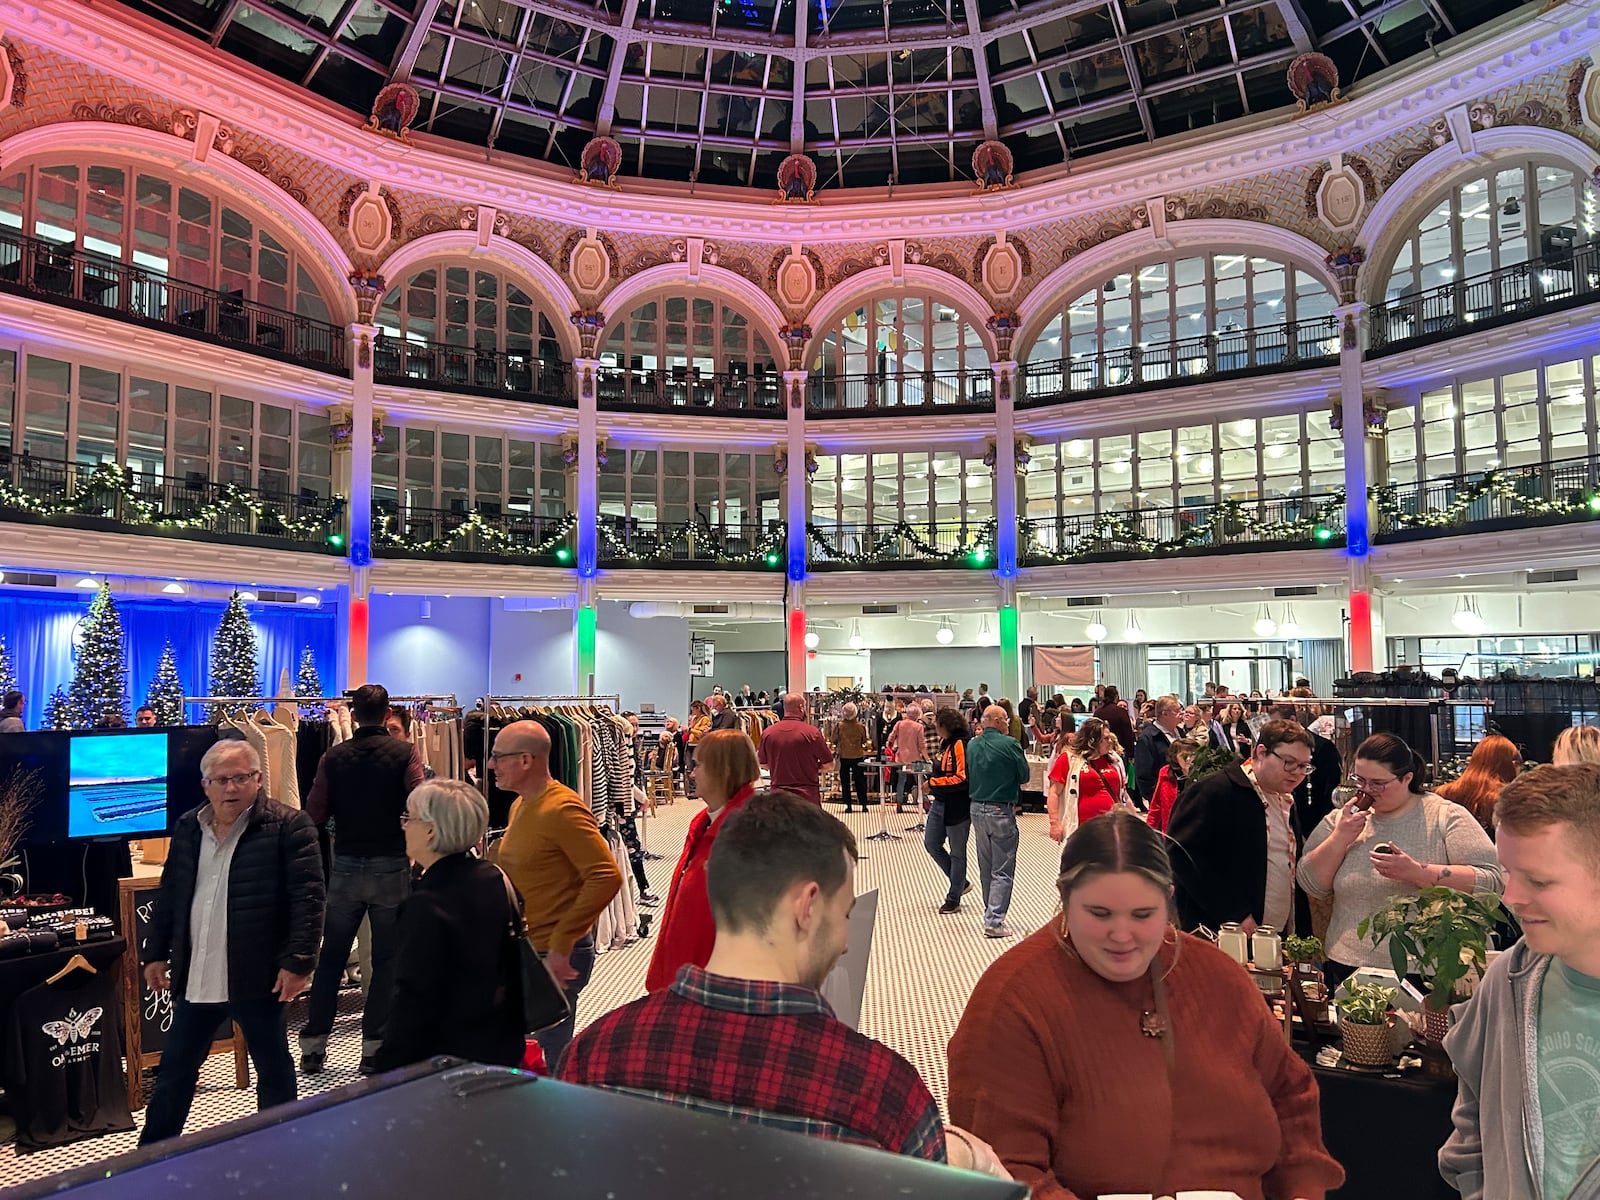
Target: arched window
1189,315
1513,214
164,223
468,306
904,350
680,334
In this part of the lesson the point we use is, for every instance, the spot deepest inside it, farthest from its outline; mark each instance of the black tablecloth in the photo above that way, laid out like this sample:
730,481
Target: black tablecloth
1386,1131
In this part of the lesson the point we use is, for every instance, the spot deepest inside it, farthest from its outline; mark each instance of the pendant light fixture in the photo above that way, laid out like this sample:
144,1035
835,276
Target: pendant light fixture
1265,626
857,642
812,639
1466,617
1133,634
985,634
1289,628
946,634
1096,631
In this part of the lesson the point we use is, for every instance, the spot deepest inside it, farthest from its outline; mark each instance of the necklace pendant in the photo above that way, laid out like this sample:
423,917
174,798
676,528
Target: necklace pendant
1152,1024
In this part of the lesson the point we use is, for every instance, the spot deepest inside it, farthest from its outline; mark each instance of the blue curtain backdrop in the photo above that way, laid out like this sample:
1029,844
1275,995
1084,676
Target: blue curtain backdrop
38,632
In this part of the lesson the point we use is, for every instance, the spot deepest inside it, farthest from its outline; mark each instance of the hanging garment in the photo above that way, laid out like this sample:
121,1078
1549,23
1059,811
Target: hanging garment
280,757
64,1062
251,732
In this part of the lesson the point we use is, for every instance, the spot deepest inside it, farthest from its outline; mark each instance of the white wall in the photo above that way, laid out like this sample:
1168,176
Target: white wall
763,670
448,652
824,663
535,645
961,666
643,661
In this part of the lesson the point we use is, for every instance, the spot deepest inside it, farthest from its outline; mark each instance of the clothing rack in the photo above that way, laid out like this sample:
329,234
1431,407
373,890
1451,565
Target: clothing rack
616,700
263,699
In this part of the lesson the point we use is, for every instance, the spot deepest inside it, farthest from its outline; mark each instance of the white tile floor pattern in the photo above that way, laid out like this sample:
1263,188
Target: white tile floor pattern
923,968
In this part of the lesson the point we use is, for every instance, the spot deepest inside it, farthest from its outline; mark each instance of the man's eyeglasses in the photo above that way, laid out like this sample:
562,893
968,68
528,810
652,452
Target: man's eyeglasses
1372,785
498,754
233,780
1293,767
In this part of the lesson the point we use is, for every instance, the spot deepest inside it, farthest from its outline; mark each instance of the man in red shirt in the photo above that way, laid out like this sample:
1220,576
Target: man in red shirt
794,750
750,1036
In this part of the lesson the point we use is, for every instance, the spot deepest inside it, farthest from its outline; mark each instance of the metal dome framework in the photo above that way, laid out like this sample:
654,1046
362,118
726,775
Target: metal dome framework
879,92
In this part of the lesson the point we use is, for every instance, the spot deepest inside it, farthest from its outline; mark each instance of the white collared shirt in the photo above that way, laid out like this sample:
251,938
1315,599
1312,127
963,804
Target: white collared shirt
208,915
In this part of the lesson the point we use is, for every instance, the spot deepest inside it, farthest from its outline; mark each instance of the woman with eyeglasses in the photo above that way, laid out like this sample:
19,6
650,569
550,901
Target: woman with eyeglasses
1393,838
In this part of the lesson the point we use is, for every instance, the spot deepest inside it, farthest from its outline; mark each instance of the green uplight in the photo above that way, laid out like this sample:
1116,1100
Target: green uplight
336,540
563,555
1324,534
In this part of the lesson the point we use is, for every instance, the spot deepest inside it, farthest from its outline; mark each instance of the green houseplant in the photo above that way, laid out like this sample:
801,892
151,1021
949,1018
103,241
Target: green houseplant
1364,1022
1303,949
1445,932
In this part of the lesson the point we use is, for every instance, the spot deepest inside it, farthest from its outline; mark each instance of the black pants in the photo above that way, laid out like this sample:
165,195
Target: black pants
359,886
852,775
195,1027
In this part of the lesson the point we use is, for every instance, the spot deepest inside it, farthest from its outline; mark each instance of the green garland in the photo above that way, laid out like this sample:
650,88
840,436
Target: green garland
668,538
1494,483
883,544
386,532
1113,531
96,496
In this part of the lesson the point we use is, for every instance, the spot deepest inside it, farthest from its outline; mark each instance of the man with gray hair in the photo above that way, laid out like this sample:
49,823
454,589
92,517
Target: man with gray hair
722,714
234,933
997,771
793,750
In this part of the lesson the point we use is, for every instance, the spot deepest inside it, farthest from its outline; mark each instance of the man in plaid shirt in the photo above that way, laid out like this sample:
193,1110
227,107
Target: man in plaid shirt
750,1036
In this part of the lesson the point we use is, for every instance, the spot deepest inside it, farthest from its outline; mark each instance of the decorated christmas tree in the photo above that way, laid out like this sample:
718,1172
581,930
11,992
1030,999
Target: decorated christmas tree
8,677
233,655
57,711
309,683
166,690
99,677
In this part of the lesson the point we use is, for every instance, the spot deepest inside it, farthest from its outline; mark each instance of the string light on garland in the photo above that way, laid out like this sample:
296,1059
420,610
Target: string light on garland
387,532
1495,484
703,543
1227,521
883,545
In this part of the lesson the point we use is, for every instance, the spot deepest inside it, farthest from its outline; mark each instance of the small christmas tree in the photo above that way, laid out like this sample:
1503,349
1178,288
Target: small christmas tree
309,683
166,690
8,677
57,711
233,655
99,678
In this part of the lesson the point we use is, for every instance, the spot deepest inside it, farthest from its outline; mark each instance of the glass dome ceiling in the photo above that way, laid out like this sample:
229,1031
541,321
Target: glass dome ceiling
875,91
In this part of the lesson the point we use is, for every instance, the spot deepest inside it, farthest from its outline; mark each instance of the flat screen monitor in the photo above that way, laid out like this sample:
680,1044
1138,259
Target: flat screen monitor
116,784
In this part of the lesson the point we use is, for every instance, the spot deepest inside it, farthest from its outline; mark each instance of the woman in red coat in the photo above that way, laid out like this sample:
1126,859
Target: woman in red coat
725,774
1180,755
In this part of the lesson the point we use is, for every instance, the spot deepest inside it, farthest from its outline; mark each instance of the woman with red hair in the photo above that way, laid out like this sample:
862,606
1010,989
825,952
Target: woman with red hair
1495,762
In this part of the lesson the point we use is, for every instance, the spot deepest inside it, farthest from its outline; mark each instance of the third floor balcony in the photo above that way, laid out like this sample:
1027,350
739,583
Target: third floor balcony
1545,493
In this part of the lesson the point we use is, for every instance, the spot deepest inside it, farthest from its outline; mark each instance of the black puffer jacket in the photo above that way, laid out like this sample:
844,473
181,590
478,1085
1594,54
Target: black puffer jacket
275,901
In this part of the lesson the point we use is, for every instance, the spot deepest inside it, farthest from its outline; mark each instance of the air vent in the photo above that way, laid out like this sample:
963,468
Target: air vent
24,579
711,610
1086,601
1289,593
1565,575
268,596
879,610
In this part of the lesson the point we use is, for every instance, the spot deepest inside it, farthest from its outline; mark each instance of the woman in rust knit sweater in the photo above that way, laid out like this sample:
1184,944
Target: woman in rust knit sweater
1110,1054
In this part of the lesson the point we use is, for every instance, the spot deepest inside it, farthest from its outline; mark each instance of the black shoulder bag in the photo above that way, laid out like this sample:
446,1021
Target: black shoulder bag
544,1003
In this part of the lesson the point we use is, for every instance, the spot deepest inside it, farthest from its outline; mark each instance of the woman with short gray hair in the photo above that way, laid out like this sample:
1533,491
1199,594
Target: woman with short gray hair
458,986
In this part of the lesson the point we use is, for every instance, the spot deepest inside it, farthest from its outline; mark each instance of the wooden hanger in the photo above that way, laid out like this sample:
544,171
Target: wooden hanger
75,963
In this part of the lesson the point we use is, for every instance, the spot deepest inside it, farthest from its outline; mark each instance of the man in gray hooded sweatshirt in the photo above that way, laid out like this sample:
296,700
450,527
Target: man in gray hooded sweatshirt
1526,1048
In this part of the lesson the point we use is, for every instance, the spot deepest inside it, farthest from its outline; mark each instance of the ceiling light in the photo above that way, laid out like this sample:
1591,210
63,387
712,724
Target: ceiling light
985,634
856,641
946,635
813,639
1096,632
2,576
1290,628
1265,626
1466,617
311,598
247,595
174,589
1133,634
86,582
425,610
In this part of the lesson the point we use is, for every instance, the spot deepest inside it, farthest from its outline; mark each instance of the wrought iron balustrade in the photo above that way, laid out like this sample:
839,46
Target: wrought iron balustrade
851,545
1533,493
631,541
448,368
681,389
1224,354
1248,524
898,390
60,272
481,533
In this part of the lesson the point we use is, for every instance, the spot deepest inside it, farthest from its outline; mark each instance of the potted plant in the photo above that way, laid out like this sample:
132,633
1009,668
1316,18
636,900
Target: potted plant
1364,1022
1443,931
1306,951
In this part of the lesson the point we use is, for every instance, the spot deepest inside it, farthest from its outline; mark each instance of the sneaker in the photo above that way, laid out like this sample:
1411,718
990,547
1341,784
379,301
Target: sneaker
968,889
312,1062
650,898
997,931
950,907
644,925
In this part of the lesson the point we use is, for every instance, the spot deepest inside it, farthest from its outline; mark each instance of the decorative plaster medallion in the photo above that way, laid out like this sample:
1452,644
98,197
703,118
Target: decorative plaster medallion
1589,99
1341,197
589,265
369,220
797,281
1002,270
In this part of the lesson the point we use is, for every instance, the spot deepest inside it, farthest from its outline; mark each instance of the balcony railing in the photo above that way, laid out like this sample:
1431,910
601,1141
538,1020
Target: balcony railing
468,369
1544,493
34,266
1225,354
896,391
107,495
688,390
471,534
1546,284
844,546
1230,525
628,541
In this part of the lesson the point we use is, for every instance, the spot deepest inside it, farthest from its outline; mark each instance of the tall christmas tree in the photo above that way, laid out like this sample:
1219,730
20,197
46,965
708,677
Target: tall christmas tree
233,654
99,678
309,683
8,677
57,712
166,690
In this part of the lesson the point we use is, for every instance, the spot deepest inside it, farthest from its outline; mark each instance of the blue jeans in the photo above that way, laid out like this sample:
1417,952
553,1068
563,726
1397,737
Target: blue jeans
264,1024
952,862
995,828
904,781
553,1041
358,886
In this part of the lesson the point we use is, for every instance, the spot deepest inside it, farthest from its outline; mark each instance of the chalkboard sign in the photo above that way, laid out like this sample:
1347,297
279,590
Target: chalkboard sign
146,1013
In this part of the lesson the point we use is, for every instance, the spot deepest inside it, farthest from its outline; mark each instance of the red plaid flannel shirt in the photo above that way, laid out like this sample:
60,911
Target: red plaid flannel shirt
768,1053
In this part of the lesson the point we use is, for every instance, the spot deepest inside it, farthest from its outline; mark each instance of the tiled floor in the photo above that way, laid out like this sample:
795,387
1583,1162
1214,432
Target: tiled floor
922,970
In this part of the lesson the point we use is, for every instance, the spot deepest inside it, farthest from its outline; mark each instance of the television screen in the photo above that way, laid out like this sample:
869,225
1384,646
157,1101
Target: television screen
116,785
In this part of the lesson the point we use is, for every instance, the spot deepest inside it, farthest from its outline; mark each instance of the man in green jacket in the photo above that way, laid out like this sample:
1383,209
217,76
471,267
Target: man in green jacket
997,770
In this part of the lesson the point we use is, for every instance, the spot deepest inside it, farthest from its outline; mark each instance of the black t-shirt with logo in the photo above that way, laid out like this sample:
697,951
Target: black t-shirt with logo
64,1062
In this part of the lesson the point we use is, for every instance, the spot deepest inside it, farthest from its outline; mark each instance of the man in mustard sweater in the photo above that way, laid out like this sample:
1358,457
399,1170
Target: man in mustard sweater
557,859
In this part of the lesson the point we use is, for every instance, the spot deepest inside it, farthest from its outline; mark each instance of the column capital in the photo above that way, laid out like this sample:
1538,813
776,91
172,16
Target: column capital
589,322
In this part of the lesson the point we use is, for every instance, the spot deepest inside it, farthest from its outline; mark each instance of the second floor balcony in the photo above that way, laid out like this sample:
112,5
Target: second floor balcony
107,496
845,546
470,369
65,275
757,393
1545,493
900,390
633,542
1226,353
482,535
1277,523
